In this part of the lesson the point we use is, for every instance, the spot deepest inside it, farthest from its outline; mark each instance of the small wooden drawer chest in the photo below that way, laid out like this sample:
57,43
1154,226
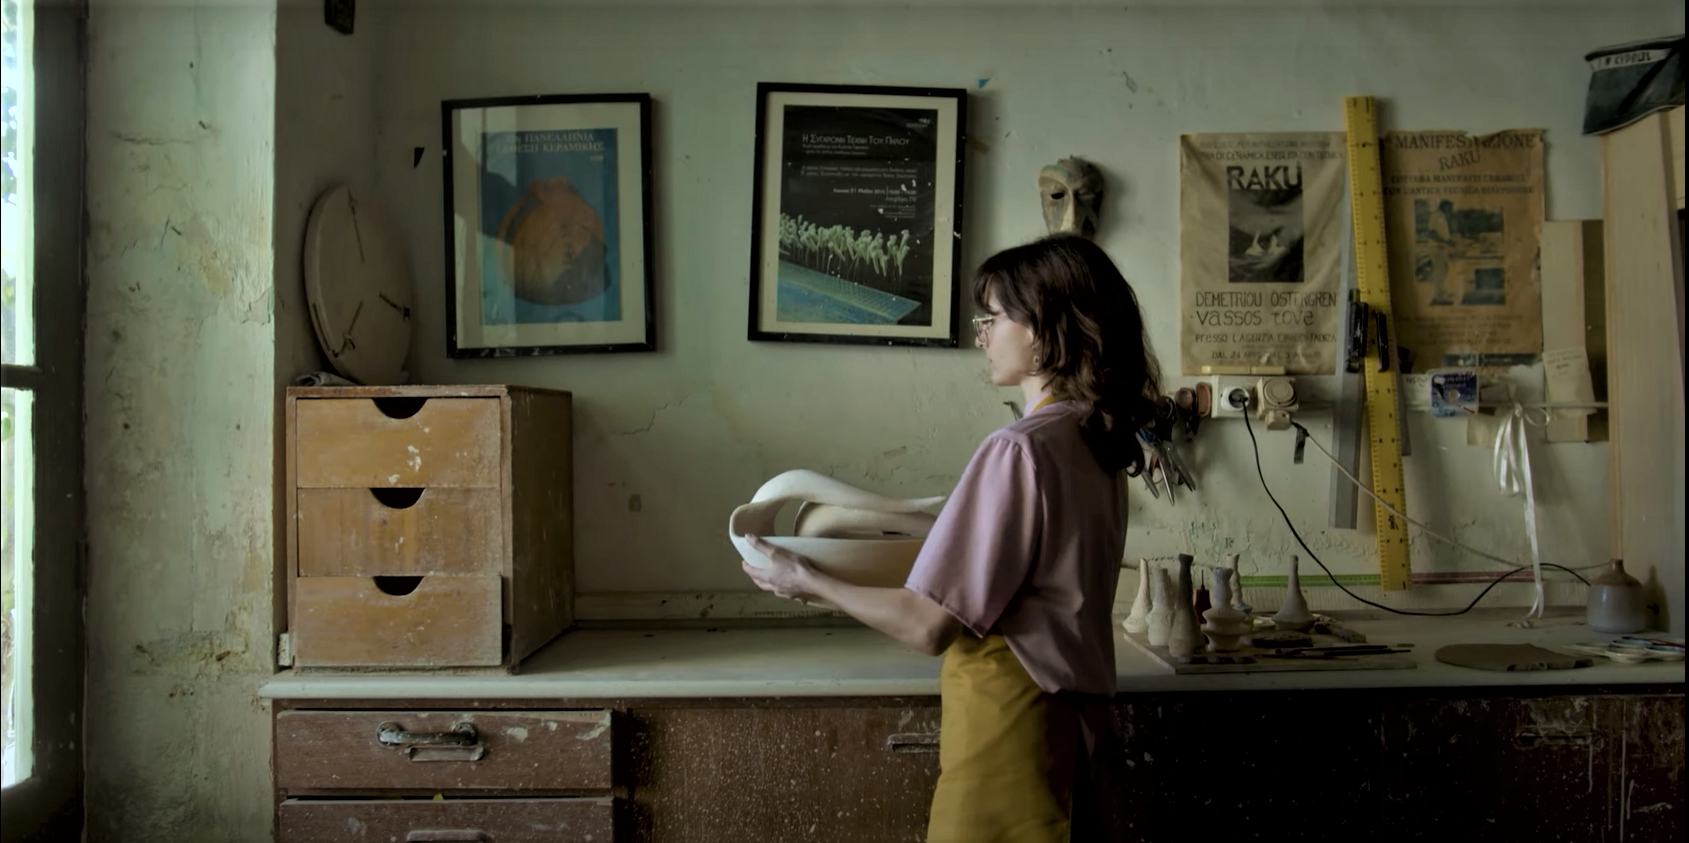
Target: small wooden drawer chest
427,526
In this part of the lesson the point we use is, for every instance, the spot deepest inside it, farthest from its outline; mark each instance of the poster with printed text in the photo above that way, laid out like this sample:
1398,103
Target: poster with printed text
1261,230
547,203
856,215
1464,220
856,205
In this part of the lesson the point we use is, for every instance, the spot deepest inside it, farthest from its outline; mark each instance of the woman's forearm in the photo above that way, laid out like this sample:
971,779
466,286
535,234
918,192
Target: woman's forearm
898,612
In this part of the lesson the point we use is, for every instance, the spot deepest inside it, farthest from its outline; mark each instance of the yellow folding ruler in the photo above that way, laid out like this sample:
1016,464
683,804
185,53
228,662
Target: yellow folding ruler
1372,277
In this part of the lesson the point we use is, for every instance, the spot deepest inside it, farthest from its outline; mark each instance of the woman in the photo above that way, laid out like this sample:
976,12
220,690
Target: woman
1015,584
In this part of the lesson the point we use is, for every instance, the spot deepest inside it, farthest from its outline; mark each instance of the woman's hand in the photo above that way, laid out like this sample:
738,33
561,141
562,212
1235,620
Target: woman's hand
788,574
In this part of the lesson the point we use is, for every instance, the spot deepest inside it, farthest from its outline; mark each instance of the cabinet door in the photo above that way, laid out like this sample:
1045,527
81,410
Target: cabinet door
1584,768
785,773
1223,766
447,821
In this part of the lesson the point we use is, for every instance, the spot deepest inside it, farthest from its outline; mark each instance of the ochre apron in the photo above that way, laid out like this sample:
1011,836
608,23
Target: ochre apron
1006,751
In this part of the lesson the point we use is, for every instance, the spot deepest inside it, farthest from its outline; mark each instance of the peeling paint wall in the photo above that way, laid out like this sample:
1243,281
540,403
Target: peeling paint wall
668,442
180,370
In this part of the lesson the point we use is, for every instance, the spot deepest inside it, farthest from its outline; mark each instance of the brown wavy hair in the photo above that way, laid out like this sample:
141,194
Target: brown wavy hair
1089,333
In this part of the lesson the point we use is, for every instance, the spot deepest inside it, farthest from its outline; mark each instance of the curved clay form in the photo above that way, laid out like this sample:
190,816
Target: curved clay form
825,520
852,534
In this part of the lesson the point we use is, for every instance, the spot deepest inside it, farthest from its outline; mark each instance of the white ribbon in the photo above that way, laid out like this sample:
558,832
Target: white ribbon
1513,473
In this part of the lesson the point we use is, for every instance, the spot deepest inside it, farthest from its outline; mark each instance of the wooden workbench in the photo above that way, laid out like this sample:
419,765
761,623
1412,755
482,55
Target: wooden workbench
721,733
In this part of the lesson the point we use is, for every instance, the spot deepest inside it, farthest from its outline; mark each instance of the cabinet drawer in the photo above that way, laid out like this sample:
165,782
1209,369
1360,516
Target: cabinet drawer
351,621
393,532
329,751
354,442
448,821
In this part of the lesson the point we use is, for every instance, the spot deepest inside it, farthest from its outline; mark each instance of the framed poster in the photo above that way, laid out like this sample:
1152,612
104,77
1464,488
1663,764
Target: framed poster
548,225
856,214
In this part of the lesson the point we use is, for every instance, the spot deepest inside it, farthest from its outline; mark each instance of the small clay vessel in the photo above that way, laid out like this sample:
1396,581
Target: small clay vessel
1185,636
1138,620
1237,587
1225,624
1294,614
1616,602
1161,610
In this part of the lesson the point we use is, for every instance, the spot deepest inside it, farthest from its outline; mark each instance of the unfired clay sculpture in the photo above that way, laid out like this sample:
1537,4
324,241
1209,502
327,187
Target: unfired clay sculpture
1185,638
1294,614
1237,587
1225,624
1161,612
852,534
1072,194
1138,620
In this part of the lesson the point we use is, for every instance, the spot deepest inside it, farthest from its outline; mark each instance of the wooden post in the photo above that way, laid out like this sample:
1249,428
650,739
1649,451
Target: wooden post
1645,357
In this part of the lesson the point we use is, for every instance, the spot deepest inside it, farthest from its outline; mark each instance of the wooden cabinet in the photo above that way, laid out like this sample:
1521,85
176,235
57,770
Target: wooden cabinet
818,770
427,526
1382,765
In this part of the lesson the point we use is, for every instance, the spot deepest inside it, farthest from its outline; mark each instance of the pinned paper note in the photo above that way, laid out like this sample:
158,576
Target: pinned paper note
1566,381
1416,393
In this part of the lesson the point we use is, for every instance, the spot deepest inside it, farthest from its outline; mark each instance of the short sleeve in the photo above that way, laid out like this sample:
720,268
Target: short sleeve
983,544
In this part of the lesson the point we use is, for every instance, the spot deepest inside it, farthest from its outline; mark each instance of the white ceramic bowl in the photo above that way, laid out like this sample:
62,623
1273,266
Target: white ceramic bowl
877,538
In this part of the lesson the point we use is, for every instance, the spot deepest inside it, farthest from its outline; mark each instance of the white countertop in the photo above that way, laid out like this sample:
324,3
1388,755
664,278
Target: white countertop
855,661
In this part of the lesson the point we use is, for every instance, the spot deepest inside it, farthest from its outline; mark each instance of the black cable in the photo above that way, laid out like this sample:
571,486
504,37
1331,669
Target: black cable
1287,522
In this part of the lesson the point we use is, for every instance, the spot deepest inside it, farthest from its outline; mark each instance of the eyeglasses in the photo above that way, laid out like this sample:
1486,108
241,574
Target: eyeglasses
982,326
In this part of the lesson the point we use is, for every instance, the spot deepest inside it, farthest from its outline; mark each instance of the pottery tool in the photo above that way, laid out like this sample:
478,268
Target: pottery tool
1280,640
1372,276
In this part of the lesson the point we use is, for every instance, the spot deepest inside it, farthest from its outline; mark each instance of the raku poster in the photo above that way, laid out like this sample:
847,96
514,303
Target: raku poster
1261,230
1464,219
856,204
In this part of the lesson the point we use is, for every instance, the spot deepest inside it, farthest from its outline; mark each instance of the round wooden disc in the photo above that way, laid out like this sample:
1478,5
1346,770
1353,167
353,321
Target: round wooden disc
358,287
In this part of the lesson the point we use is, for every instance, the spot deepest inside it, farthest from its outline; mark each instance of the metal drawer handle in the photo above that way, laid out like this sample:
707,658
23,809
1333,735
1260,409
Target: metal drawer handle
392,734
913,742
448,835
462,743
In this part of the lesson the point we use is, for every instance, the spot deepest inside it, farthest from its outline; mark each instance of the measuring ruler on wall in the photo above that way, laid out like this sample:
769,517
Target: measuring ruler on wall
1372,280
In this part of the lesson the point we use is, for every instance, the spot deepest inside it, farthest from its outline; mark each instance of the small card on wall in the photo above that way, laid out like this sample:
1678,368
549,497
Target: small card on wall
1454,394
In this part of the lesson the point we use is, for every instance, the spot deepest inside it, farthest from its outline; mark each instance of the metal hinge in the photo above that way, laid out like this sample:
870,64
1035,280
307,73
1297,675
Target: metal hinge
284,649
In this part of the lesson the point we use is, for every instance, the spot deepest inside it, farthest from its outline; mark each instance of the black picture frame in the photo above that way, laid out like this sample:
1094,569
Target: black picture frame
817,180
538,165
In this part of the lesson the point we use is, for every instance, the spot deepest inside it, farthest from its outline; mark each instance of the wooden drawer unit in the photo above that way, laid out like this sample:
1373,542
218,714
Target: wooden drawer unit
426,752
428,526
405,775
447,821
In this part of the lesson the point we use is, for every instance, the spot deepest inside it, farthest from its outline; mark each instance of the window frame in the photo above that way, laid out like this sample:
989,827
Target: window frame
47,805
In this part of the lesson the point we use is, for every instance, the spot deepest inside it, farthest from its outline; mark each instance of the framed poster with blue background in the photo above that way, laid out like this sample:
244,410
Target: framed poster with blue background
548,221
856,214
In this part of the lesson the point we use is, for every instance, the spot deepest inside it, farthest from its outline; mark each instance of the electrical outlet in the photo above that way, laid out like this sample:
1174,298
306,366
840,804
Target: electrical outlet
1232,396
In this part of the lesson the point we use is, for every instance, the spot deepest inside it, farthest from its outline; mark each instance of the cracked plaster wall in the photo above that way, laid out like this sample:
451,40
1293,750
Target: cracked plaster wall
696,427
180,370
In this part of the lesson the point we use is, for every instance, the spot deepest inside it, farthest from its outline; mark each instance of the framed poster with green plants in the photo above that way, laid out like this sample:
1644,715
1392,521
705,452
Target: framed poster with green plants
856,214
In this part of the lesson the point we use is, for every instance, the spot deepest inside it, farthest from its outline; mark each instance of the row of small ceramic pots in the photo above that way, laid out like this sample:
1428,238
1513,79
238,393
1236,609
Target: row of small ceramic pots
1165,609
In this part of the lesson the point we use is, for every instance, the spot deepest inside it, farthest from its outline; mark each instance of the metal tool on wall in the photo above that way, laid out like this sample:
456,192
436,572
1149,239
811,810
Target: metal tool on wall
1162,452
